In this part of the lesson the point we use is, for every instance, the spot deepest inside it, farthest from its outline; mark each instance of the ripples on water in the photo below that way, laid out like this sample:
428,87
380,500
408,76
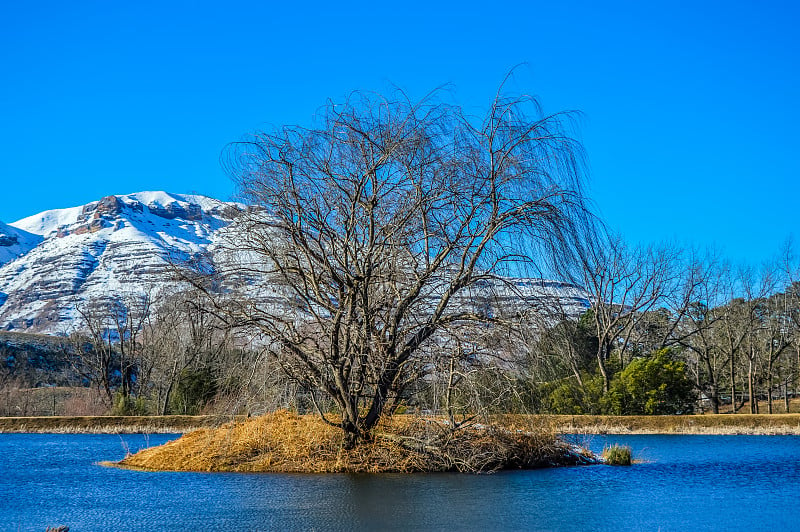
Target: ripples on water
684,482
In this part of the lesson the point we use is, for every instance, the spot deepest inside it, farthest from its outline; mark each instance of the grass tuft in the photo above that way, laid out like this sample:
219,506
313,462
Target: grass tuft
617,455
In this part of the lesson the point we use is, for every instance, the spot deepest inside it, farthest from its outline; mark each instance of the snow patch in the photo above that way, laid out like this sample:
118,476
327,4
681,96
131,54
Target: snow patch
15,242
47,223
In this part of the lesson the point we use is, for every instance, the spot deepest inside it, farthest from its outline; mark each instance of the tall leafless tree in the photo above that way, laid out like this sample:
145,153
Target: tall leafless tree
381,224
106,349
698,330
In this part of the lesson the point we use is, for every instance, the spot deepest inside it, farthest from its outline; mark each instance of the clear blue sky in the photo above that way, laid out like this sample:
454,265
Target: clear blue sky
691,111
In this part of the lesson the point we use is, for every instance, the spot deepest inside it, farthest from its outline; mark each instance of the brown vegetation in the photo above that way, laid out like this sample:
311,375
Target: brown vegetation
22,401
110,424
286,442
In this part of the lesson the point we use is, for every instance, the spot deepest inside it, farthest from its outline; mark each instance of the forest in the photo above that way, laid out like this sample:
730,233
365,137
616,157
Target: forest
664,332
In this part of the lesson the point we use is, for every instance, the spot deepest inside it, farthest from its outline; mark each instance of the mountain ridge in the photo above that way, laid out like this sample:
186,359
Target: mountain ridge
119,244
69,259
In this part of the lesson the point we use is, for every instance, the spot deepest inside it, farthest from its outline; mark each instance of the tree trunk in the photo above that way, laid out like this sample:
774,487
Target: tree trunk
351,434
714,387
385,383
753,404
173,375
733,387
714,398
604,373
769,390
165,404
797,368
449,396
602,354
574,366
786,396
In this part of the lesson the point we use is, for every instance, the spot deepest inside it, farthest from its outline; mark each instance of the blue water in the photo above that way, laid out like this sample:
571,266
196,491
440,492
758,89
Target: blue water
683,483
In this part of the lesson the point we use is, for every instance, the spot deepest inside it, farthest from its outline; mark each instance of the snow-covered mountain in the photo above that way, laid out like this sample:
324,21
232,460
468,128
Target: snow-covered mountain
115,246
61,260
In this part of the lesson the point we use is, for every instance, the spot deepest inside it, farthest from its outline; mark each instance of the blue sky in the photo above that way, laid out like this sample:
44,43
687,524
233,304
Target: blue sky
690,108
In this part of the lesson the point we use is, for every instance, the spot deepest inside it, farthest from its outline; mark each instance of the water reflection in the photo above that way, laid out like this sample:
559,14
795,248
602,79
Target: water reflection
701,482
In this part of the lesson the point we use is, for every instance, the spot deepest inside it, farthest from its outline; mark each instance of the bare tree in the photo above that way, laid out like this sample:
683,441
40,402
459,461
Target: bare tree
774,338
106,349
182,337
380,226
623,283
697,324
740,322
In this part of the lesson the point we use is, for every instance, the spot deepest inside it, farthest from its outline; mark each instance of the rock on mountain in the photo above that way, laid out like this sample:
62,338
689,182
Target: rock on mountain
115,246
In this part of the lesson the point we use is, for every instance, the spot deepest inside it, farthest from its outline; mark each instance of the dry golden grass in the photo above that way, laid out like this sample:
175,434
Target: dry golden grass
286,442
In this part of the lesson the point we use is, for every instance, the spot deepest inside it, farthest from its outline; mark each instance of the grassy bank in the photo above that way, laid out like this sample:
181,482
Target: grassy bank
110,424
699,424
286,442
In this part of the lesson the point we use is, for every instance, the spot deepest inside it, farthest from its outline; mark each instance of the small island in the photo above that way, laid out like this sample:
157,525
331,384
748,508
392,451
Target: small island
289,443
285,442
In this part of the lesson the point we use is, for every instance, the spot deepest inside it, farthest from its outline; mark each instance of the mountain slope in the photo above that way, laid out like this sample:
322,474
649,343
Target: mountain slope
116,246
15,242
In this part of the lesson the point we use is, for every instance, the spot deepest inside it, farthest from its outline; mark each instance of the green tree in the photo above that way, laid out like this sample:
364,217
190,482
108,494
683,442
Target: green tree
194,390
568,397
654,385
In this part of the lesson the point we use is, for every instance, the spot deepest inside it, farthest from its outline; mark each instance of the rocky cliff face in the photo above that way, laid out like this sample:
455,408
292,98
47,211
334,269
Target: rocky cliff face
117,246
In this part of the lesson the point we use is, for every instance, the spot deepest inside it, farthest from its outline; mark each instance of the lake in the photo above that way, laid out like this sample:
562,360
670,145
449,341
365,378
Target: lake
683,482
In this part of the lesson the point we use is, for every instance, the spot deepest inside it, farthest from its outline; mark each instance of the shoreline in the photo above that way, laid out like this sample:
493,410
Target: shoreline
701,424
